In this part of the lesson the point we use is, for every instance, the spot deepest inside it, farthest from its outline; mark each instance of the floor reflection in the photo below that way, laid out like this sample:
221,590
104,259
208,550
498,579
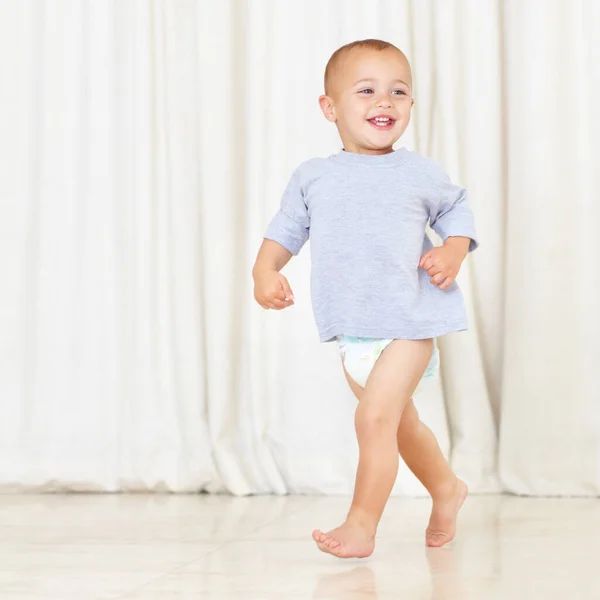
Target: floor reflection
360,583
357,584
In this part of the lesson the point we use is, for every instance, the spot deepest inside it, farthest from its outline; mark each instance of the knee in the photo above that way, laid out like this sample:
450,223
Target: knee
373,422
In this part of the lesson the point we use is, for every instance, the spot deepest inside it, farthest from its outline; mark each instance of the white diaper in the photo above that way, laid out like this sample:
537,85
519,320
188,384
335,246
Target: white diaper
360,354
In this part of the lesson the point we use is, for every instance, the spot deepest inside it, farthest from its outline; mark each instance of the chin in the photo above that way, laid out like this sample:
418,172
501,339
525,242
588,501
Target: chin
381,145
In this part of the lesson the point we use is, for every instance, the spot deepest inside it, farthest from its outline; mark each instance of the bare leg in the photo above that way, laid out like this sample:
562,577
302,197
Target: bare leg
421,453
377,419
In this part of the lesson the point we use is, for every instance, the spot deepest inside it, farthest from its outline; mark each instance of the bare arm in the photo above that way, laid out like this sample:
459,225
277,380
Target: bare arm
272,257
271,288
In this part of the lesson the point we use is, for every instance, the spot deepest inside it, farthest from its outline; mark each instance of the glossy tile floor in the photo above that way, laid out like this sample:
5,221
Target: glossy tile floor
146,547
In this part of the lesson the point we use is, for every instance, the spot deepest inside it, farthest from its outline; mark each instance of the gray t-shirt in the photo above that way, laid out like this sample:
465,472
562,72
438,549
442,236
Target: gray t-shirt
366,217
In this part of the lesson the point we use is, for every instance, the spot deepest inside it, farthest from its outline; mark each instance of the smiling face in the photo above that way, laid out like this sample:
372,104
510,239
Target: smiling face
369,98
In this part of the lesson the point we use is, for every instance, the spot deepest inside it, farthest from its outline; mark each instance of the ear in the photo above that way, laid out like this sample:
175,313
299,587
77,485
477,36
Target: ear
326,104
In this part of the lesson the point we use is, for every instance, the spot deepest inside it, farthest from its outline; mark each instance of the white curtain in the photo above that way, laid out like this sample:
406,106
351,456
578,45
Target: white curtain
145,145
550,427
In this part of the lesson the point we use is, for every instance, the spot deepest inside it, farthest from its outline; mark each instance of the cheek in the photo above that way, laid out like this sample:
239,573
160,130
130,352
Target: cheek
360,114
353,117
403,106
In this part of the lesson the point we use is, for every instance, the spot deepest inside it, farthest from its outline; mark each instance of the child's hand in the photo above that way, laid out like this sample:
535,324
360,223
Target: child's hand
272,290
443,262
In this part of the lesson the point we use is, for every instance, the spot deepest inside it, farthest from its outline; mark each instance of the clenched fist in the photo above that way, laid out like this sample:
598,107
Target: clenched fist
443,262
272,290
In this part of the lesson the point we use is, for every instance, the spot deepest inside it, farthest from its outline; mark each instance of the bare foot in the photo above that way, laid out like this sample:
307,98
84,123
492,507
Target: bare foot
347,541
442,523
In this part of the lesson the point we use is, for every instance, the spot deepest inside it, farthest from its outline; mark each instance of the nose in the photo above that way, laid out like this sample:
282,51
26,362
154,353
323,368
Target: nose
384,102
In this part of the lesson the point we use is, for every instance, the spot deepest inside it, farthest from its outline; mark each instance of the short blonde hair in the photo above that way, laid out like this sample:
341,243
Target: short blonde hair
370,44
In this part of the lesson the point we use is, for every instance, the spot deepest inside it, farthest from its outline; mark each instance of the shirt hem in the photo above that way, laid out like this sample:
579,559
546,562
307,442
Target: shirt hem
409,332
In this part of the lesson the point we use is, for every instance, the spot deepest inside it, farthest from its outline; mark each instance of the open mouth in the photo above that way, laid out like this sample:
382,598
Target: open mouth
383,123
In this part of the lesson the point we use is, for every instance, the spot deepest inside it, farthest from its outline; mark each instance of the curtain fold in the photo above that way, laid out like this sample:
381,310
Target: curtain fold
550,428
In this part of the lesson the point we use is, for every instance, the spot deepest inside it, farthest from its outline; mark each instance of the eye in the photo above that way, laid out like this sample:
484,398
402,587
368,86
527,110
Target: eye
400,92
365,90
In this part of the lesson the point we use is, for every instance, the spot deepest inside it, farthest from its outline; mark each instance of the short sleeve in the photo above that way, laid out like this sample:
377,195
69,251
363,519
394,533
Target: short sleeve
290,227
449,212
